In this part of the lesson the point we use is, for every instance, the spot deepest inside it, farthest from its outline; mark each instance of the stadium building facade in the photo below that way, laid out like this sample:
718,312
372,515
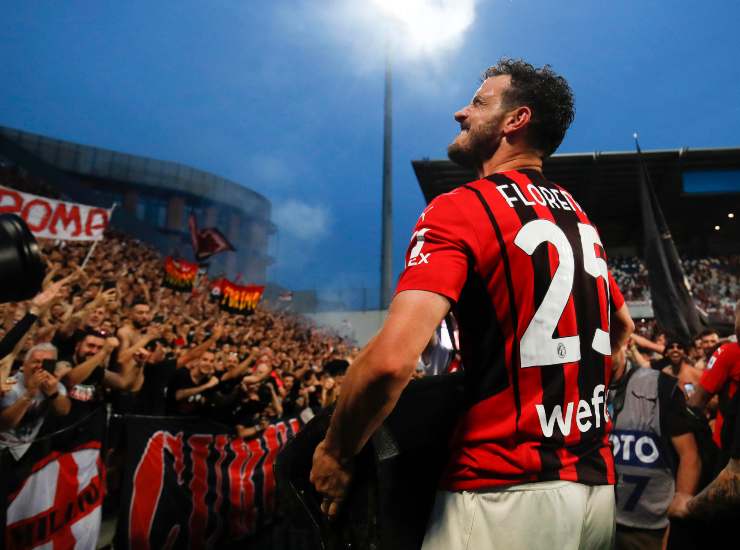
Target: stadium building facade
154,197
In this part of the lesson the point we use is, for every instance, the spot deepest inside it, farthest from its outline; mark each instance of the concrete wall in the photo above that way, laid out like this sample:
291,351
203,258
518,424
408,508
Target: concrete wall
358,325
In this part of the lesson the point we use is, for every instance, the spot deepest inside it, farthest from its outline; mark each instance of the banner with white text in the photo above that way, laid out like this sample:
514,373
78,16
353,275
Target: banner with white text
54,219
54,493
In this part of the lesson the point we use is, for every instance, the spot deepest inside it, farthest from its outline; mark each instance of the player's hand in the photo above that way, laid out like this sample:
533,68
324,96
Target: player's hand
331,478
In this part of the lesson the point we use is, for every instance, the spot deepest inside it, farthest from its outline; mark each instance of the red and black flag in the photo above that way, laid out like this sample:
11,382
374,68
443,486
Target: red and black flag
193,484
235,298
53,494
208,241
179,275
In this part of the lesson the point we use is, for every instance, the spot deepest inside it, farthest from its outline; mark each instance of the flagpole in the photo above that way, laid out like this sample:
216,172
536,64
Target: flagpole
386,253
95,243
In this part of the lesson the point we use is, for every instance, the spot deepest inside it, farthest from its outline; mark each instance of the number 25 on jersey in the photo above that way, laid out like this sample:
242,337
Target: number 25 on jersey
537,345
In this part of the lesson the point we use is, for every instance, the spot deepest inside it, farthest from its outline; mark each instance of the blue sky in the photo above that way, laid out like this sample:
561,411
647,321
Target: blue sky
285,97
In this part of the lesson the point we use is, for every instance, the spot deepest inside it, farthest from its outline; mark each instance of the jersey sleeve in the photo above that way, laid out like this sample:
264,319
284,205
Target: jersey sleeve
441,246
717,372
617,300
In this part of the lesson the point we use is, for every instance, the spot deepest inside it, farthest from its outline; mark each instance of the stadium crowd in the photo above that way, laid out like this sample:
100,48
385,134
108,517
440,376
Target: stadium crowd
110,334
714,281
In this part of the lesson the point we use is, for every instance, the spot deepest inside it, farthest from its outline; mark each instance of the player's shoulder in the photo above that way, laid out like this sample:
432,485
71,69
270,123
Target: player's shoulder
449,205
461,197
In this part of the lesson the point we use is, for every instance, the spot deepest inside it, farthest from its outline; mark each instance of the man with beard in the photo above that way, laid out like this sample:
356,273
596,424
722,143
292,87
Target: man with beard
133,330
87,375
525,271
154,367
708,340
679,367
89,318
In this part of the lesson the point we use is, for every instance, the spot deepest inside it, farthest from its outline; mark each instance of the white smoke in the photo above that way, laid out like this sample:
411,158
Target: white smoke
302,221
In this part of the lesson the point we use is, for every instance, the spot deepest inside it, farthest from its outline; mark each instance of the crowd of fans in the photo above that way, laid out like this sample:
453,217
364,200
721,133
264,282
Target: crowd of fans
106,332
714,282
111,333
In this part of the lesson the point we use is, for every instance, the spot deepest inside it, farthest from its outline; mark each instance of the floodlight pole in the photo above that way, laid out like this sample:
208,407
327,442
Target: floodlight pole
386,255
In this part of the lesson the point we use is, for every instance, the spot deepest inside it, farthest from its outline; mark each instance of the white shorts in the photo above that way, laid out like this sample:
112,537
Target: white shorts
552,515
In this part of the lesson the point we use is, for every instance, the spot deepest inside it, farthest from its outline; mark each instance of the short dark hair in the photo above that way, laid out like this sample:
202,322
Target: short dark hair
546,93
707,332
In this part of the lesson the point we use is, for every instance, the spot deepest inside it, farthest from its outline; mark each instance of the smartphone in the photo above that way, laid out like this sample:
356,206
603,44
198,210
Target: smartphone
49,365
158,319
109,284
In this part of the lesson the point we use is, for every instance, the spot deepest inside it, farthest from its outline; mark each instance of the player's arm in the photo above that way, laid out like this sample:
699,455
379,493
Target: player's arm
621,325
377,377
620,328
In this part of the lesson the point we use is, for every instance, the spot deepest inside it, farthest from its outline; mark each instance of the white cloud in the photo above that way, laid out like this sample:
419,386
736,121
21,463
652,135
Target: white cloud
271,169
301,220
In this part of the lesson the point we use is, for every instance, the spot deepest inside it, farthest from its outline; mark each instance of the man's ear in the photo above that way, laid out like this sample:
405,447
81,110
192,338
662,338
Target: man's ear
517,119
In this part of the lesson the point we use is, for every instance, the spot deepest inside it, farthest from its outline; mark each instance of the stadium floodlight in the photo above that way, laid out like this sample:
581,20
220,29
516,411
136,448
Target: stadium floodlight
424,27
413,28
716,227
731,215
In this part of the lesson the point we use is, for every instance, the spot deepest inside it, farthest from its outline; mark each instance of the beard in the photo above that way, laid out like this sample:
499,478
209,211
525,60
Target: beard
139,324
476,146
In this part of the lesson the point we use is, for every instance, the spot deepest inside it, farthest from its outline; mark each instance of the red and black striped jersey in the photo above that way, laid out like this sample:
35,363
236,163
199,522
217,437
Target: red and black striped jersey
722,376
526,271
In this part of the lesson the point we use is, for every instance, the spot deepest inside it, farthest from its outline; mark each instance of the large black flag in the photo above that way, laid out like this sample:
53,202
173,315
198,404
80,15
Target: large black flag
673,306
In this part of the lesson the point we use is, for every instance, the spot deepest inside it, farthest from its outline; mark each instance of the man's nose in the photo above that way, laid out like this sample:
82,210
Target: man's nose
461,115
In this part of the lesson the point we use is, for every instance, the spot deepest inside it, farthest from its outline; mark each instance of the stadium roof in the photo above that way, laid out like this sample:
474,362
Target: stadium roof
606,185
105,164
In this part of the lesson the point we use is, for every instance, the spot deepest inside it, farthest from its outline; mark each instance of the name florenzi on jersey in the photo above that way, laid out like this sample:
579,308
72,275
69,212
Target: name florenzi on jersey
533,194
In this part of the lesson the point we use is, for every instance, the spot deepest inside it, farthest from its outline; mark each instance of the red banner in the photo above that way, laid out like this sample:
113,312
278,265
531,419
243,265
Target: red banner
56,495
237,298
179,274
191,484
53,219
